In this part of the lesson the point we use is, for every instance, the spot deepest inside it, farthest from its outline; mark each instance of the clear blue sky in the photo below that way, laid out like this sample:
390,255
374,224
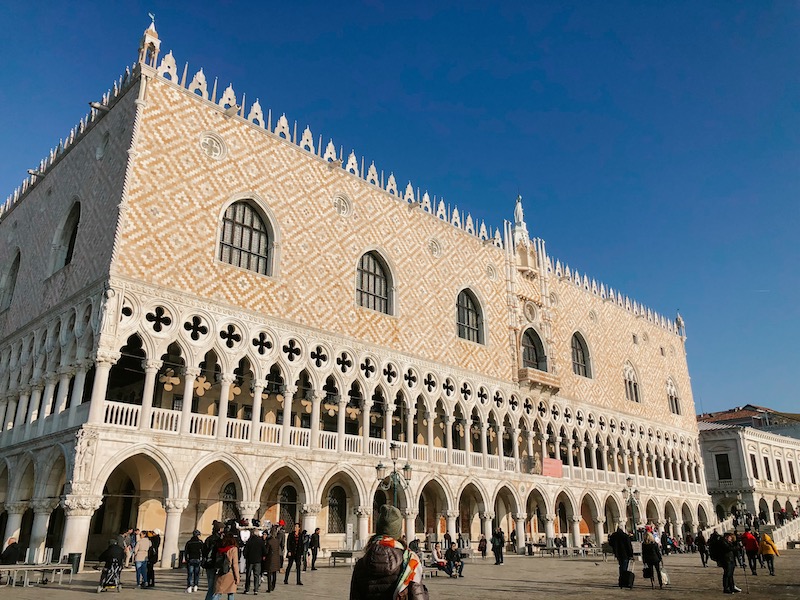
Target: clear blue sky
655,143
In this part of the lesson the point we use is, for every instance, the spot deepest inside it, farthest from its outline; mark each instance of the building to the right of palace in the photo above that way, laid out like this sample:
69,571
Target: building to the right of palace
208,313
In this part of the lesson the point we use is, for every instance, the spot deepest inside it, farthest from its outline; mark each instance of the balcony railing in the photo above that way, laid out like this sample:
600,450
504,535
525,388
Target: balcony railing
327,440
122,414
164,419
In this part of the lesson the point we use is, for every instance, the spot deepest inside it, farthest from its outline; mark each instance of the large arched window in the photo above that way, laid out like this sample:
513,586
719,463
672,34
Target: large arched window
373,287
631,383
470,319
8,282
230,508
533,351
581,364
245,239
337,510
64,242
673,398
288,503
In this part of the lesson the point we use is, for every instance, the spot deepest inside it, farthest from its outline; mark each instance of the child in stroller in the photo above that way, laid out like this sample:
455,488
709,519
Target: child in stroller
113,558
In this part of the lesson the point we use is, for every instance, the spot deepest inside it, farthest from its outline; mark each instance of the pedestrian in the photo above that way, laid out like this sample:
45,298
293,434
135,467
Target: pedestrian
282,539
702,548
622,547
294,550
502,536
447,540
273,560
134,539
388,569
314,546
769,551
227,567
482,546
210,546
140,555
193,553
496,546
152,556
254,552
306,543
651,556
728,549
455,565
750,544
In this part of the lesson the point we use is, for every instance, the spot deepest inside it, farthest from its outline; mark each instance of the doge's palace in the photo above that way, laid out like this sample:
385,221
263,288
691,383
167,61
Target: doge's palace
208,312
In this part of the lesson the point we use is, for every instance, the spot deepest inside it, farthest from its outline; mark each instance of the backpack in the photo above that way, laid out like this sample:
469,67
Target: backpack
715,550
222,563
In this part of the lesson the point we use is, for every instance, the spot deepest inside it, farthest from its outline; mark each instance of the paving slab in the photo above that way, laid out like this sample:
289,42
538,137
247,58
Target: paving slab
520,577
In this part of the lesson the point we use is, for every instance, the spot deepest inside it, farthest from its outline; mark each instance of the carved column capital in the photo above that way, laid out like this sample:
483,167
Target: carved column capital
408,513
16,508
227,378
362,511
81,506
450,514
599,520
248,509
107,357
311,509
173,505
549,517
152,365
520,516
486,515
575,519
192,372
44,505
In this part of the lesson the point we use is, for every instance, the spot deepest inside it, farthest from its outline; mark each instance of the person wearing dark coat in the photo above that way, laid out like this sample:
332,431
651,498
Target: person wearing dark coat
152,557
651,556
210,546
12,553
702,548
273,561
388,569
193,553
620,543
254,552
314,547
728,552
294,553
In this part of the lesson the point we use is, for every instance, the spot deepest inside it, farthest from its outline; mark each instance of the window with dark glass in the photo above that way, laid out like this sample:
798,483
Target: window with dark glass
580,357
533,351
767,470
337,510
754,465
8,283
373,285
469,318
723,466
245,239
631,384
672,398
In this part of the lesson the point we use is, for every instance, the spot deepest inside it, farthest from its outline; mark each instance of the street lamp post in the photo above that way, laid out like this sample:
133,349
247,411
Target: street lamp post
631,496
394,479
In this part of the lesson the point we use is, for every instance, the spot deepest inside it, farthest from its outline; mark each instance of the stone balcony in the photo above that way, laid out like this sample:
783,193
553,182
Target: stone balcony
539,380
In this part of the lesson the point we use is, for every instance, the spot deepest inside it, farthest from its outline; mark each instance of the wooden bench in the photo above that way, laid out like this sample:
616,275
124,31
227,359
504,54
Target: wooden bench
430,572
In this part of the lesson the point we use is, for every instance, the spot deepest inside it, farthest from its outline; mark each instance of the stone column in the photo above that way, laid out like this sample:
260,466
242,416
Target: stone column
78,511
309,513
365,410
169,546
486,524
41,519
625,455
288,398
387,427
593,455
23,417
576,531
82,367
251,510
3,406
316,403
224,399
599,534
468,441
66,374
190,374
151,368
529,443
500,453
410,517
255,425
33,410
582,457
451,516
47,402
363,513
570,458
410,433
8,420
448,437
15,511
484,445
549,528
340,417
519,521
604,457
515,447
103,365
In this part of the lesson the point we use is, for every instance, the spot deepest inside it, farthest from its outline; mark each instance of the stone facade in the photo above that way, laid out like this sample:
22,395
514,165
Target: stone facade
156,385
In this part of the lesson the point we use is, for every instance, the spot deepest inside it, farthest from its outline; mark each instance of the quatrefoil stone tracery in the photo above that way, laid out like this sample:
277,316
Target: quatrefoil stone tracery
230,336
159,318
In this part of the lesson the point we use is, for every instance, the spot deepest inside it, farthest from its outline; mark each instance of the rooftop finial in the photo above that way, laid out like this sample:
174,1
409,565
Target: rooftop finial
520,228
150,45
152,21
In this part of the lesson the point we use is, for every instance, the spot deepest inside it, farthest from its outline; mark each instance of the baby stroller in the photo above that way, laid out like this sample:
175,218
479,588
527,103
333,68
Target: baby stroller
109,577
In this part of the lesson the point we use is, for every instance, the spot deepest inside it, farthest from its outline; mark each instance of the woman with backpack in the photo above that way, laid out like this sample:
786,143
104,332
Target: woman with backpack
227,564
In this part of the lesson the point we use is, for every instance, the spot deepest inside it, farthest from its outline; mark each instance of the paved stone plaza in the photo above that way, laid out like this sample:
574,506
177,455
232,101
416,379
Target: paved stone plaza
519,577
